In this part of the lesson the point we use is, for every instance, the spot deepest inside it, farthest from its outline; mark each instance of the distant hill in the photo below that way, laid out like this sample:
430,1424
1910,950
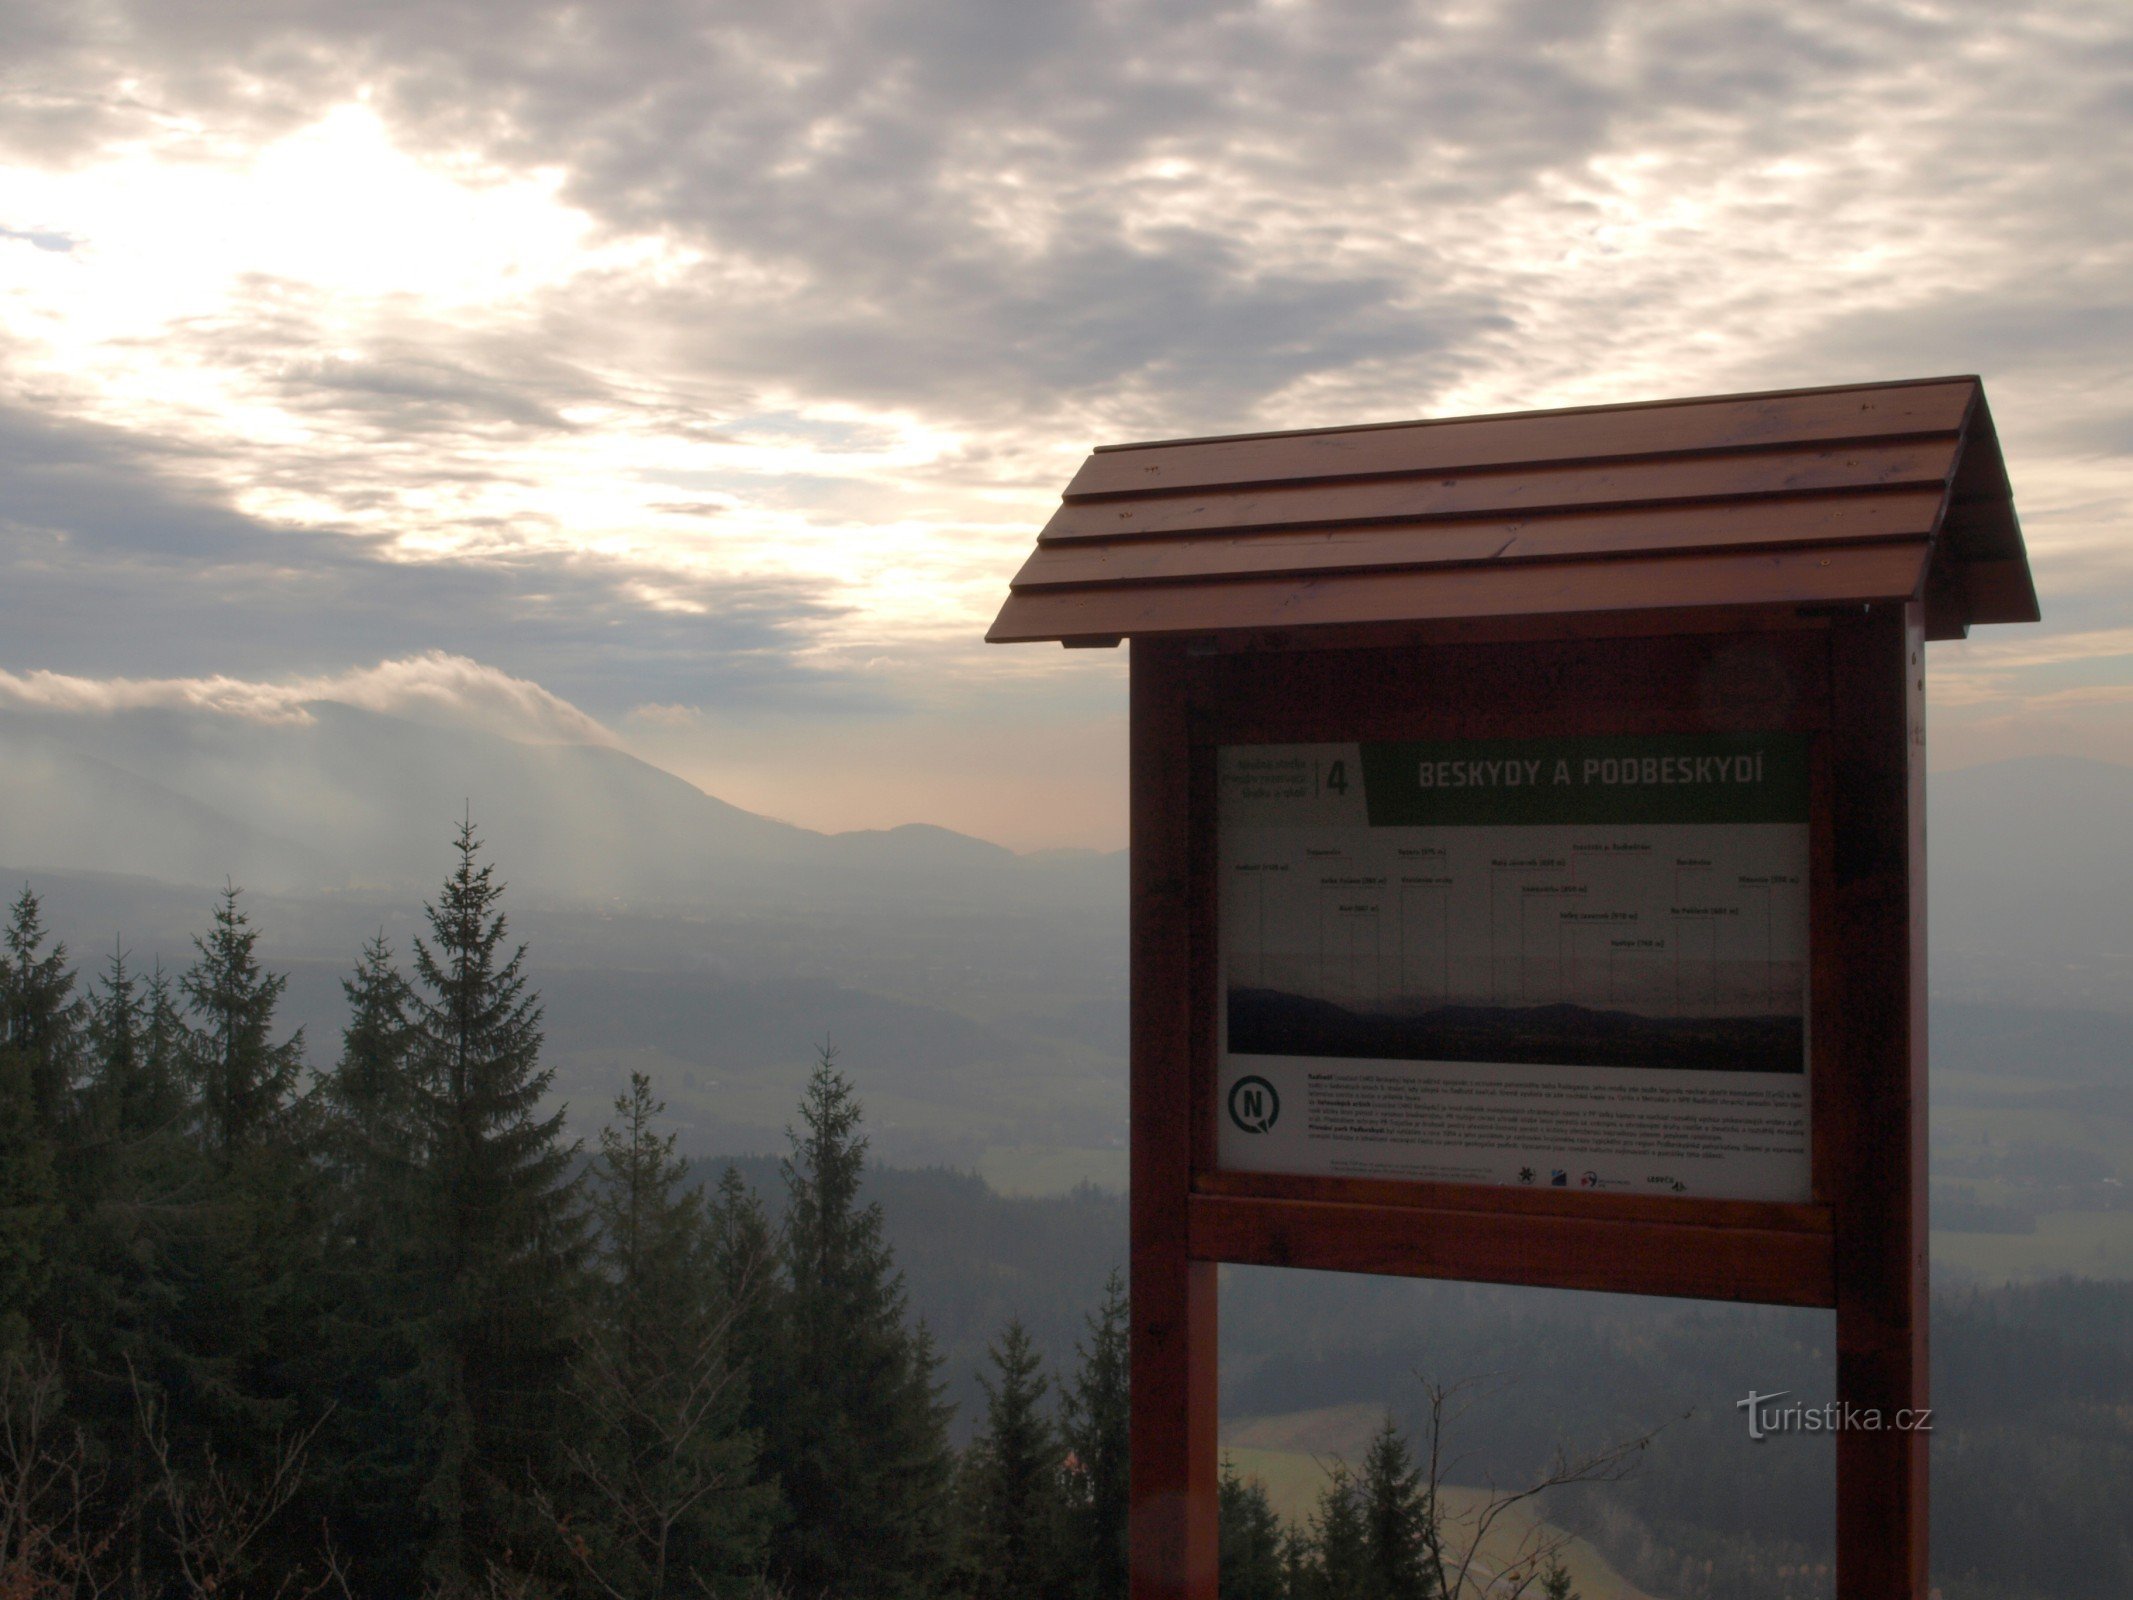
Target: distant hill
2031,894
979,995
62,807
355,799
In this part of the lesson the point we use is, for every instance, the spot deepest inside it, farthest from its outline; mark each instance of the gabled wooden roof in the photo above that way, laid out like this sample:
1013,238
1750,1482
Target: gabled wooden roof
1813,496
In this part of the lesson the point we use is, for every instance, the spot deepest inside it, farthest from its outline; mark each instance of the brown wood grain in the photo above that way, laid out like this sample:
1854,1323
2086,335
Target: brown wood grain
1669,530
1204,909
1825,968
1524,490
1853,676
1877,1177
1519,689
1766,1266
1438,632
1815,575
2000,591
1981,516
1389,1193
1173,1307
1599,433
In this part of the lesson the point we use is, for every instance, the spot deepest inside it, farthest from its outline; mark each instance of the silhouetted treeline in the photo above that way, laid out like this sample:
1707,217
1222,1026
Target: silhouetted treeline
392,1331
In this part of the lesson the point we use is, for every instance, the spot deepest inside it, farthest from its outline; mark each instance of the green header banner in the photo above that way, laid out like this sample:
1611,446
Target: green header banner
1713,777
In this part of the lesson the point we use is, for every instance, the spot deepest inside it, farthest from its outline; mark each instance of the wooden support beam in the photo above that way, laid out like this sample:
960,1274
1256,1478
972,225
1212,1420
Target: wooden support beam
1173,1534
1767,1265
1877,1179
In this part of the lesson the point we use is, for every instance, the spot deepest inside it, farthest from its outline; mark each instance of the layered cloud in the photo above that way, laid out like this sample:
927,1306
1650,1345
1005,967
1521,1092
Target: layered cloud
435,688
725,358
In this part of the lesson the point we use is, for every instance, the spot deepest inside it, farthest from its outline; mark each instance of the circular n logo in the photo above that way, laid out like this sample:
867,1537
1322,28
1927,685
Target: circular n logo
1253,1104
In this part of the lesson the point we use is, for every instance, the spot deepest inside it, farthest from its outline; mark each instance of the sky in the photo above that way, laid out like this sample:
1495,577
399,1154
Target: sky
693,377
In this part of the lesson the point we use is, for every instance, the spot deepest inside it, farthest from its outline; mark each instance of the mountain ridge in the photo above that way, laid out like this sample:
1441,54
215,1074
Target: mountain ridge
2031,897
354,798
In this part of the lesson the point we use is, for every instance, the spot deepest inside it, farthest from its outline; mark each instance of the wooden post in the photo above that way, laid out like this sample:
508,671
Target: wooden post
1878,748
1173,1306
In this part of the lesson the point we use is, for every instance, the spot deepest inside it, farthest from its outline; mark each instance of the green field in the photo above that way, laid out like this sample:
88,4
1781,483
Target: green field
2058,1151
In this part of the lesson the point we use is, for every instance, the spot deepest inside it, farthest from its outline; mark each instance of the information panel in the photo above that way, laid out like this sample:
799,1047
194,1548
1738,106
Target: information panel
1577,963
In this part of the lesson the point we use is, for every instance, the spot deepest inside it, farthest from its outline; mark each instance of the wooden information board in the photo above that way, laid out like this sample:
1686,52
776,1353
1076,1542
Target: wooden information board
1571,962
1528,873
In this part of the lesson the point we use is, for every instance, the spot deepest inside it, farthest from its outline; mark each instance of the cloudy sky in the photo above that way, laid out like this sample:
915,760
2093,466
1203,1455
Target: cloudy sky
693,376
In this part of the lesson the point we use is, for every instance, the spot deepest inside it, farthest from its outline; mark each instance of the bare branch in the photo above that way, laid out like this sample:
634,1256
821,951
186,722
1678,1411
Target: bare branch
56,1528
214,1515
1448,1404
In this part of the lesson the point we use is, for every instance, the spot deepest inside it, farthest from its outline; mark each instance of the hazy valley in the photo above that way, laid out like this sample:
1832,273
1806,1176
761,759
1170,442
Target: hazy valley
977,999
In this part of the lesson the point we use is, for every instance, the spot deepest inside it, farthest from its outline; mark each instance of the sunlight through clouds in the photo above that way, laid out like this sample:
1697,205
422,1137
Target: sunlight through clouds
741,356
363,249
168,234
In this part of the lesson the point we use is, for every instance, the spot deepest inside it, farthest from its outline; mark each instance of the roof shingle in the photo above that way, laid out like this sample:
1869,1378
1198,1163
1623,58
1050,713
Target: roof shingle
1866,492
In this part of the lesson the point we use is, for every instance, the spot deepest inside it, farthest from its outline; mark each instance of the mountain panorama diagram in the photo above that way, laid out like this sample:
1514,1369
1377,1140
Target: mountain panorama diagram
1495,930
1606,942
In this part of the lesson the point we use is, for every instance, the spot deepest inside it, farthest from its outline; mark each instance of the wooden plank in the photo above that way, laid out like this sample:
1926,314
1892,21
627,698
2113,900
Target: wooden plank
1878,1177
1394,1194
2000,591
1947,604
1751,682
1530,491
1823,575
1982,497
1288,643
1673,530
1204,912
1845,519
1598,433
1090,561
1982,530
1766,1266
1173,1519
1826,1147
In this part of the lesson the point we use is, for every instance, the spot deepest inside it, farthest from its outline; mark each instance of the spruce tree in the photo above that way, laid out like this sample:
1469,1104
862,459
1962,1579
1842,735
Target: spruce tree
1299,1563
135,1091
163,1041
372,1279
242,1080
1250,1551
29,1206
857,1434
40,1017
373,1139
1555,1579
1012,1490
1399,1522
142,1201
745,1263
1342,1568
128,1173
504,1239
40,1026
209,1263
665,1470
372,1089
1096,1428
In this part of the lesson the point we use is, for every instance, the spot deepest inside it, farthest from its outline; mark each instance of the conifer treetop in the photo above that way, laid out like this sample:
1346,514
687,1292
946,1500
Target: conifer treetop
243,1079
